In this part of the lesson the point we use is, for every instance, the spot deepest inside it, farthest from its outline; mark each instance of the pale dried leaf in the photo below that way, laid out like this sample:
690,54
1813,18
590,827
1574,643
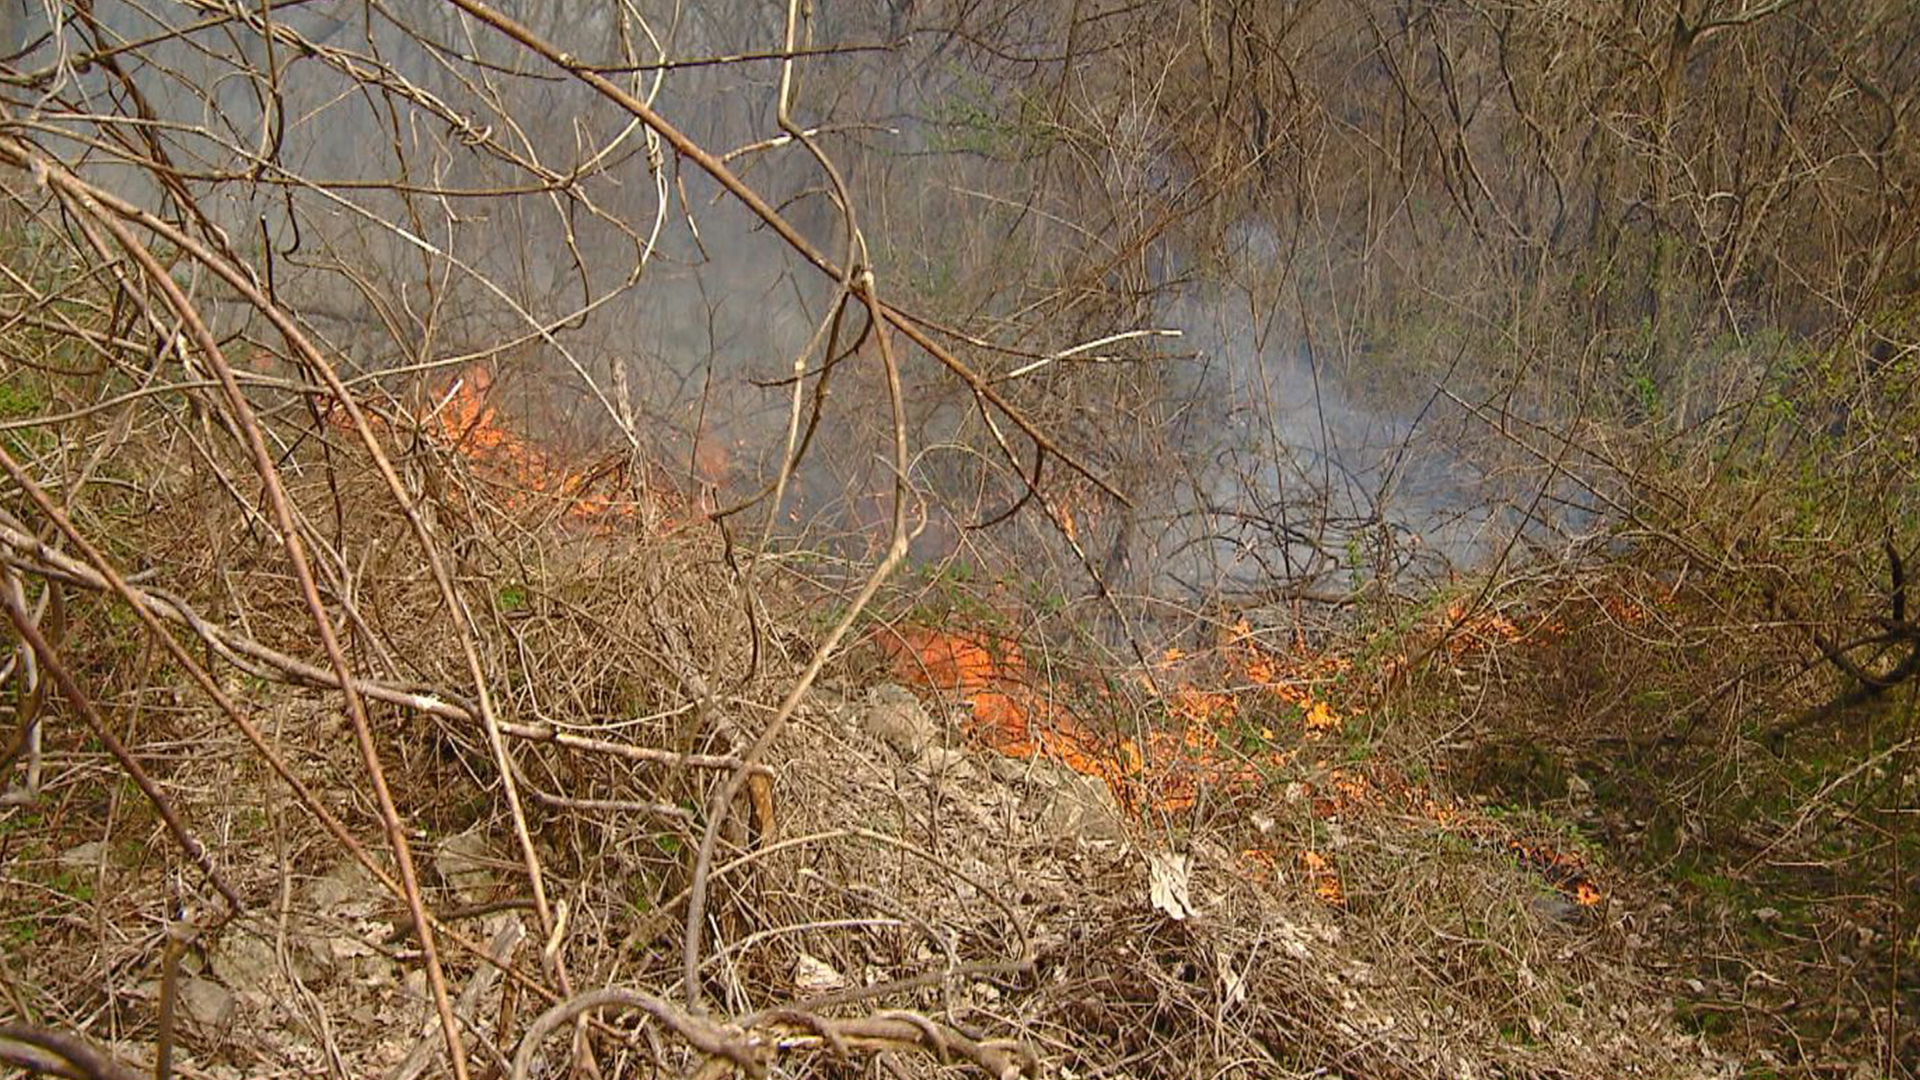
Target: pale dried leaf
1168,880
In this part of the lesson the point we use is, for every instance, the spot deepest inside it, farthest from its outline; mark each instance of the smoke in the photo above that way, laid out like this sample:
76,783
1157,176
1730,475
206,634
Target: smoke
427,197
396,185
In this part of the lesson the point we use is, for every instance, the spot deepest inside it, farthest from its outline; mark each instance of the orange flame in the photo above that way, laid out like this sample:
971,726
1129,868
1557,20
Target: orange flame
1323,878
1163,771
468,421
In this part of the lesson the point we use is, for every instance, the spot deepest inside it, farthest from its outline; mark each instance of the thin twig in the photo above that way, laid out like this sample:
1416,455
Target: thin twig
53,665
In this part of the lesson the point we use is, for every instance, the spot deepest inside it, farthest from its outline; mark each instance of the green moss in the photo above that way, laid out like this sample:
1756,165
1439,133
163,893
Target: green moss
74,884
19,400
20,821
1704,1021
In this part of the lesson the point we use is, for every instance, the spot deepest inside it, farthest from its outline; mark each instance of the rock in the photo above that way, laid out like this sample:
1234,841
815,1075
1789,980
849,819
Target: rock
371,969
247,964
893,715
345,891
1168,877
86,856
948,763
466,865
1072,805
1553,907
1012,770
205,1005
812,975
345,894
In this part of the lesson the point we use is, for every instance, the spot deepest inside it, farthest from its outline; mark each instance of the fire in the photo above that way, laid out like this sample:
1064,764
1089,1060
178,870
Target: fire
1475,631
468,421
1295,677
1222,737
1163,771
1351,792
530,476
1624,610
1321,875
954,661
1073,506
1016,715
1320,717
1159,770
1010,715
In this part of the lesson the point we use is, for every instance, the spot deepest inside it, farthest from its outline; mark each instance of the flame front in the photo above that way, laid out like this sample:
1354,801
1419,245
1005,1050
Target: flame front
1163,771
468,421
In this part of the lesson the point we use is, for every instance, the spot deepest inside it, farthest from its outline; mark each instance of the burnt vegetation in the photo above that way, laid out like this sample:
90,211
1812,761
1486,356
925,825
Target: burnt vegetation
1169,538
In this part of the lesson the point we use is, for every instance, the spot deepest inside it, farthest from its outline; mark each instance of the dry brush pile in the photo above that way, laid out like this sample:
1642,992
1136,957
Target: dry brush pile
894,889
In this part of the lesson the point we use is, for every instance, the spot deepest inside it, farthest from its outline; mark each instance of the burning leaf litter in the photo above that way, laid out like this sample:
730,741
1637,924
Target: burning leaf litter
1164,770
467,419
1223,740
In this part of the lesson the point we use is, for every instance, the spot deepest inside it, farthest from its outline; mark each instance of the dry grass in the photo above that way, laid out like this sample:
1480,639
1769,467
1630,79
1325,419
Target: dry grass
1768,875
951,886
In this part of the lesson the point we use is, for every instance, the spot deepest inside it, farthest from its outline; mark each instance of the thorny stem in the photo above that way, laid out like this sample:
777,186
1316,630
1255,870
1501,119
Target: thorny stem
255,442
896,552
714,167
52,664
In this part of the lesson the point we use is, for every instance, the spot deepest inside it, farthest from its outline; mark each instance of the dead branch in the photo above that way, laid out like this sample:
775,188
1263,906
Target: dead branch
78,700
41,1050
754,1049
